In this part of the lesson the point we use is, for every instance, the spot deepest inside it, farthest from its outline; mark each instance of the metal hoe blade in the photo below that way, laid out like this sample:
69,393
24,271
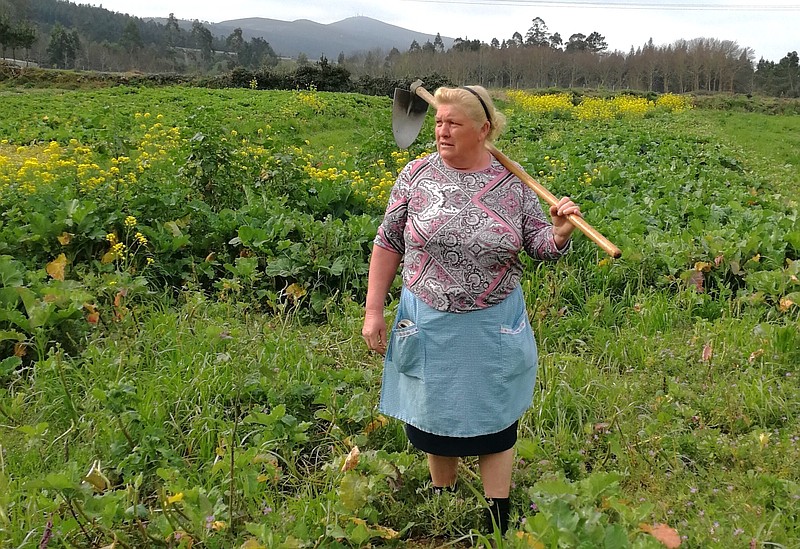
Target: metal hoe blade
408,116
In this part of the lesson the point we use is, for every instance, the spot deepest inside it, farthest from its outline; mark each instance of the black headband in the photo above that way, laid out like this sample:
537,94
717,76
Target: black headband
485,108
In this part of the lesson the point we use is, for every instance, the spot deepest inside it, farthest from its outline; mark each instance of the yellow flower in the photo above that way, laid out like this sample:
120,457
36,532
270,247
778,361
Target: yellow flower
130,221
176,498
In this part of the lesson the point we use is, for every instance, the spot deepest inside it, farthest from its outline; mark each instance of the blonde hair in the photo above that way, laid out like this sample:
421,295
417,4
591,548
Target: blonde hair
466,99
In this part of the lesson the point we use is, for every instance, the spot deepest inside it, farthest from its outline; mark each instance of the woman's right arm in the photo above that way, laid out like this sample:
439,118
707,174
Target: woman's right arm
382,269
387,253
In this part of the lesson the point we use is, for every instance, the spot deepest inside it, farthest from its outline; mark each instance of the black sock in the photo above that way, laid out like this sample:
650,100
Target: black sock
497,514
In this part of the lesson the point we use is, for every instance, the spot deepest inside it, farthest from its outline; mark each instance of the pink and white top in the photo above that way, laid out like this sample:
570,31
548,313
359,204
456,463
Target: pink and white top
461,233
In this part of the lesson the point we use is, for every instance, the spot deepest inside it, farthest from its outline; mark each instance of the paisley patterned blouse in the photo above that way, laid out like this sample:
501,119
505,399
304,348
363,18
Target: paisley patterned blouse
461,233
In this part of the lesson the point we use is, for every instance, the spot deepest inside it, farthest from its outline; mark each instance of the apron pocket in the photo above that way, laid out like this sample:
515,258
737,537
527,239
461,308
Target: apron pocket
518,353
408,352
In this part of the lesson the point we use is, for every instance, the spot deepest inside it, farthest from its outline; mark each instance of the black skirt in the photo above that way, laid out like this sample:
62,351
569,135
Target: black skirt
462,446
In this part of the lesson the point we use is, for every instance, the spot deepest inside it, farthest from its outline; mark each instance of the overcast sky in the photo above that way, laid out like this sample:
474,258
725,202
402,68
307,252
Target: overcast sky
769,27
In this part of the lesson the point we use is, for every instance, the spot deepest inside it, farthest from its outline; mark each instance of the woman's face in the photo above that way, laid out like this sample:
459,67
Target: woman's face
459,142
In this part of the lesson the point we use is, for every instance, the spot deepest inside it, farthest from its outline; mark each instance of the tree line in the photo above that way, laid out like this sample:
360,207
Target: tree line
61,34
541,59
78,36
15,36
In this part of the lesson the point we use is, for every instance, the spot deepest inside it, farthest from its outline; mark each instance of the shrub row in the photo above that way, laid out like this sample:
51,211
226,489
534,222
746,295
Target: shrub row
322,76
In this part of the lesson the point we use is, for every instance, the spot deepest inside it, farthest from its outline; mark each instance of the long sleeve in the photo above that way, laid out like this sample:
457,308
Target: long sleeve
390,232
537,231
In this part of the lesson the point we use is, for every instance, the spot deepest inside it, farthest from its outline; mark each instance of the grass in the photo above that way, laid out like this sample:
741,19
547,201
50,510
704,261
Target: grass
770,142
170,391
198,418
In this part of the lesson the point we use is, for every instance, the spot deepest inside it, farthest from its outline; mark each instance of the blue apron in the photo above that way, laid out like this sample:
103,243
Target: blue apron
459,374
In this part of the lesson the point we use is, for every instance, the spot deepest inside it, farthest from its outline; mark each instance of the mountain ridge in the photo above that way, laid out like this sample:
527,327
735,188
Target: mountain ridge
349,36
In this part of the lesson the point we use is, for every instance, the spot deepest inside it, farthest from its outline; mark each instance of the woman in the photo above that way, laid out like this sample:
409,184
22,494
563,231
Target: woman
461,362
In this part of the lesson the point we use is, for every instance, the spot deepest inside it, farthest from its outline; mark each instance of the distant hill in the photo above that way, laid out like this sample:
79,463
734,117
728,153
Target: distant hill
351,35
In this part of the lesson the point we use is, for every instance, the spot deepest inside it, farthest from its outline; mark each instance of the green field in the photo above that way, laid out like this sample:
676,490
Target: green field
182,274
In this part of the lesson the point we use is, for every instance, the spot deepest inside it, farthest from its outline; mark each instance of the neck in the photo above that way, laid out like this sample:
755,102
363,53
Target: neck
481,161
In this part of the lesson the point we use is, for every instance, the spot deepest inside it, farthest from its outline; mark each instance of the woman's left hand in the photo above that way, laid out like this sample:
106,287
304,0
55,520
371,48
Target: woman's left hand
562,228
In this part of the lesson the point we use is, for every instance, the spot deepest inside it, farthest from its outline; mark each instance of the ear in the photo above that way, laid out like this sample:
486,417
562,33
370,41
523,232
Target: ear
485,129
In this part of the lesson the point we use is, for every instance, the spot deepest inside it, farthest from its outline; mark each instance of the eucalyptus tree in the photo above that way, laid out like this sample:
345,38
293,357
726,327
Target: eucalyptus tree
63,47
538,34
203,40
438,43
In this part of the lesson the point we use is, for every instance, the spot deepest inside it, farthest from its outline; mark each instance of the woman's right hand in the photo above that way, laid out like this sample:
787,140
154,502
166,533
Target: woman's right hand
382,269
374,331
